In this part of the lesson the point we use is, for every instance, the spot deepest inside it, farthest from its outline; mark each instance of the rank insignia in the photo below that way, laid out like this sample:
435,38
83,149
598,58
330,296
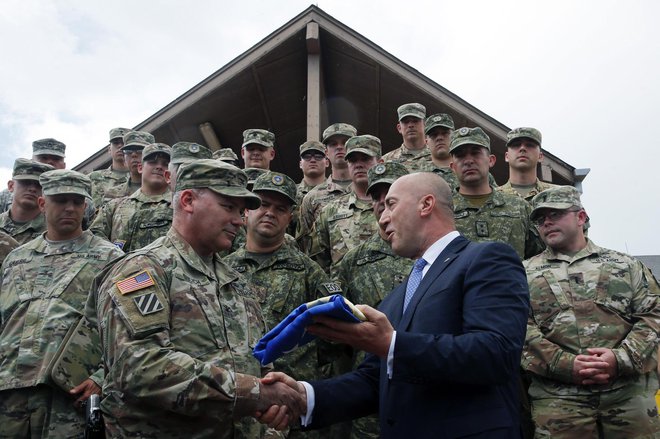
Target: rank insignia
148,303
136,282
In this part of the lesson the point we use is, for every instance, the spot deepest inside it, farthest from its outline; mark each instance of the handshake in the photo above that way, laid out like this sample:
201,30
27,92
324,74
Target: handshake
282,400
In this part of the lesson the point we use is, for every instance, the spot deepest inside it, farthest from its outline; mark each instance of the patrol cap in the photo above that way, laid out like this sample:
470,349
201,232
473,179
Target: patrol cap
48,146
366,143
469,136
253,174
220,177
187,151
385,173
116,133
65,181
413,109
438,120
225,154
25,169
560,197
155,148
260,137
518,133
276,182
338,129
312,145
137,140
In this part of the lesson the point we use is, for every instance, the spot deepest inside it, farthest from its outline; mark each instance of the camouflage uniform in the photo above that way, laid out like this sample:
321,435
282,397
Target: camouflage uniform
413,160
5,200
43,293
596,298
539,187
178,348
7,244
503,218
133,222
121,190
22,232
104,179
310,209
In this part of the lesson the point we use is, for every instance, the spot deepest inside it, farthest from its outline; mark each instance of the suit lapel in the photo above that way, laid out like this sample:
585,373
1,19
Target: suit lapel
444,259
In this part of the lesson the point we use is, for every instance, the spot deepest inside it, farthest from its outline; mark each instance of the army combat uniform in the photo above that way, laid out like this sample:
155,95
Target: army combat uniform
104,179
178,333
596,298
503,218
413,160
539,187
24,231
135,221
7,244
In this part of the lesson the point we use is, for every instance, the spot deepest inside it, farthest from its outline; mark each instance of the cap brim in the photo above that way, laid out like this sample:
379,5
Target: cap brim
251,200
26,177
426,131
467,142
556,206
279,192
64,190
522,137
49,152
322,151
380,181
410,114
363,151
257,142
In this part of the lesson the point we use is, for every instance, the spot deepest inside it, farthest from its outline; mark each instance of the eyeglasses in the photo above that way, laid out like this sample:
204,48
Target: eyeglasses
552,215
308,156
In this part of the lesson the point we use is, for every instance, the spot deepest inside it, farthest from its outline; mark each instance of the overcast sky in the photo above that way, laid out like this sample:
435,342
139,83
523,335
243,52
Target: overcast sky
586,73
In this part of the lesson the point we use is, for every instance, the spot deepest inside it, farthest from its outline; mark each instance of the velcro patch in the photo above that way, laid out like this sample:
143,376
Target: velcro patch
148,303
136,282
119,244
332,287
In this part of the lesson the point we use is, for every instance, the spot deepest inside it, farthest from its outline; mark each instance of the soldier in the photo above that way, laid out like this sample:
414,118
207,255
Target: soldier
413,152
116,173
24,221
133,222
258,148
134,143
438,128
349,220
368,272
523,154
313,164
226,155
592,331
178,325
7,244
48,151
482,213
44,288
334,139
185,152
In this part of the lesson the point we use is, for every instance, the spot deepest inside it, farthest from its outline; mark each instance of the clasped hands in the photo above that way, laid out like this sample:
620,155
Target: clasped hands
598,367
283,399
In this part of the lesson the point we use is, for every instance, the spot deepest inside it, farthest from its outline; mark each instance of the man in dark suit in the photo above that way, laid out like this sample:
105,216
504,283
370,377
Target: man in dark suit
444,356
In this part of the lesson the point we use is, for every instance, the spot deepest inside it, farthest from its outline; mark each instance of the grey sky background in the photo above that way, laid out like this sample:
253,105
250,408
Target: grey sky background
586,73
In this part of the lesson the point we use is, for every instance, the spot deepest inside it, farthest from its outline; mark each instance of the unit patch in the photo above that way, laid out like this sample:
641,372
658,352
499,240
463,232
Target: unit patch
148,303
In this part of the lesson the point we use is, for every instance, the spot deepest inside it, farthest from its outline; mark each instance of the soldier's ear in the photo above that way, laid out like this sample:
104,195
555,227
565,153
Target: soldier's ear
41,202
10,185
140,168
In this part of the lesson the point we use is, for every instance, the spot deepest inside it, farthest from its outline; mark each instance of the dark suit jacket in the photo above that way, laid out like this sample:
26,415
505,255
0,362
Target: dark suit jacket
456,356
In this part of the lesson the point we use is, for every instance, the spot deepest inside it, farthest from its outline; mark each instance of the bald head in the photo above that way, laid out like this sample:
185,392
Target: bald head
418,212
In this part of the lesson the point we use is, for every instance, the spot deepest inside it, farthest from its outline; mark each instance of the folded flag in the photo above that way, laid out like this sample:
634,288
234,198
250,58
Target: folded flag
290,332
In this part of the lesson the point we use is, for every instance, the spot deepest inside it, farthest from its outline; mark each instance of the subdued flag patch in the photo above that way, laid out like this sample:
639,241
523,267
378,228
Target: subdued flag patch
148,303
136,282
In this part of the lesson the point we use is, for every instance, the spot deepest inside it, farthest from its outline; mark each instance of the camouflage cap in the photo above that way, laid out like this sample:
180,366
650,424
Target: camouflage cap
438,120
338,129
469,136
385,173
413,109
530,133
253,174
260,137
560,197
366,144
312,145
156,148
65,181
225,154
25,169
183,152
48,146
220,177
137,140
276,182
116,133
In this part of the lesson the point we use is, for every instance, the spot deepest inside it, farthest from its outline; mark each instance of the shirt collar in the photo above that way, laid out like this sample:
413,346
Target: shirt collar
432,253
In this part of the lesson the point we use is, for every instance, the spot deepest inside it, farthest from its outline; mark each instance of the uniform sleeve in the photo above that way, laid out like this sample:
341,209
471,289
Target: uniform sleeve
142,362
102,224
320,246
304,226
637,352
533,242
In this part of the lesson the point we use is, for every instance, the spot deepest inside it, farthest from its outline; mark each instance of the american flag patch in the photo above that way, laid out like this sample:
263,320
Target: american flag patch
136,282
148,303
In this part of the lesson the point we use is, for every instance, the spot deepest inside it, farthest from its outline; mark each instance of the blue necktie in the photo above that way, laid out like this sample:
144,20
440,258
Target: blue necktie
413,281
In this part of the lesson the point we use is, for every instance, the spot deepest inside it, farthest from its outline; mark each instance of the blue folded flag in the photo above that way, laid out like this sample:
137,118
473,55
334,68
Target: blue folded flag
290,332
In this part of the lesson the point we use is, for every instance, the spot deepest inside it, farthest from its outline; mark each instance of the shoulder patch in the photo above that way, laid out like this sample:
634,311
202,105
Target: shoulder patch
136,282
119,244
148,303
332,287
